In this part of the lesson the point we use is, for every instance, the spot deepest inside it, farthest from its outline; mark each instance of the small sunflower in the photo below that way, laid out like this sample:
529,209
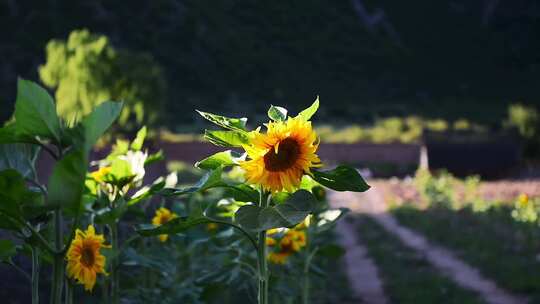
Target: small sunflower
84,260
523,200
163,215
293,241
99,175
281,156
212,227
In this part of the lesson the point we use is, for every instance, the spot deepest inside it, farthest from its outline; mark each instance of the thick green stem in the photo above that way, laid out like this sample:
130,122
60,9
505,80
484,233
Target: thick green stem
263,269
306,282
115,288
261,258
35,275
58,261
69,292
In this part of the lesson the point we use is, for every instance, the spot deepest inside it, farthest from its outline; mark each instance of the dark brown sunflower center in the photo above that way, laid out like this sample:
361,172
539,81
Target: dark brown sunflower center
87,257
288,152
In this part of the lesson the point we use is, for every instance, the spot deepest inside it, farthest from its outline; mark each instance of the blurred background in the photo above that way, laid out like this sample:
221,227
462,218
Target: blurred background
385,71
436,102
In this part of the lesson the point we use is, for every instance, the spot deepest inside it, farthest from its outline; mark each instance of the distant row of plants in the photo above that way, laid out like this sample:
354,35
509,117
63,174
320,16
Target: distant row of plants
443,190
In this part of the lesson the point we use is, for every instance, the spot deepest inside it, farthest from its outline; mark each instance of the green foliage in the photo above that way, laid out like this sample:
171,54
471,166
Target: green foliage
526,119
310,111
277,113
35,113
86,70
438,190
233,124
226,138
342,178
21,157
220,159
293,211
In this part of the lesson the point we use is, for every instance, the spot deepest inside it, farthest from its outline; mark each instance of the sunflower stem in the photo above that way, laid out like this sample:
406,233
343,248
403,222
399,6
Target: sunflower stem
261,258
115,288
58,261
69,292
35,275
306,282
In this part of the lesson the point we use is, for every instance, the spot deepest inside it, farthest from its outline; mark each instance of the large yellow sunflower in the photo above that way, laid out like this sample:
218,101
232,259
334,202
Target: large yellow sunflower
84,260
279,158
163,215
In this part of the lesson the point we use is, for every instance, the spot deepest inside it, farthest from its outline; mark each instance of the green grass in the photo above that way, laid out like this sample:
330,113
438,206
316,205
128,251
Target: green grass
503,249
407,276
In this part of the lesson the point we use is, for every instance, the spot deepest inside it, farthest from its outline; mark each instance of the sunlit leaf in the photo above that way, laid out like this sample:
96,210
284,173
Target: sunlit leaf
138,142
226,138
35,112
308,113
277,113
97,122
220,159
209,180
342,178
235,124
293,211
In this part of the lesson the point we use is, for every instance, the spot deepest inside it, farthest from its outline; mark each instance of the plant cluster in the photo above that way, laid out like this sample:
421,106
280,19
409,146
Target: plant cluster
99,225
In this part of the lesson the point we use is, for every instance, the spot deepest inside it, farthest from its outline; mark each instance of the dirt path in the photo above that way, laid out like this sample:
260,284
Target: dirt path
361,270
372,204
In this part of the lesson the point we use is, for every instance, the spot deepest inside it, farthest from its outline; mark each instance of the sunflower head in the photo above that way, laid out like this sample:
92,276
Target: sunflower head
523,200
279,258
293,241
281,156
162,216
99,175
84,259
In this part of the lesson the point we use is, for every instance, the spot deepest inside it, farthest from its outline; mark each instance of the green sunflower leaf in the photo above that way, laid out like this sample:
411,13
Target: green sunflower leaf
97,122
234,124
308,113
226,138
138,142
220,159
277,113
35,112
342,178
176,225
21,157
8,249
211,179
293,211
66,183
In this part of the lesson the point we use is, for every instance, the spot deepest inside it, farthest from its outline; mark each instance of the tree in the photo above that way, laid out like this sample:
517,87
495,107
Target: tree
86,70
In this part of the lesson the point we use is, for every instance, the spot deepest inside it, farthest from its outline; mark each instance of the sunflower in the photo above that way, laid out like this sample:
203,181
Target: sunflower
293,241
99,175
523,200
163,215
279,158
84,260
